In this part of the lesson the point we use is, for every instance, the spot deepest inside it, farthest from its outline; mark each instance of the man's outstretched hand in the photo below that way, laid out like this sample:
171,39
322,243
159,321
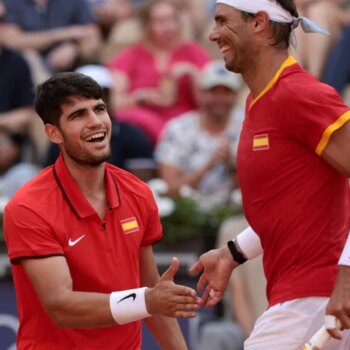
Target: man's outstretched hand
339,304
169,299
216,267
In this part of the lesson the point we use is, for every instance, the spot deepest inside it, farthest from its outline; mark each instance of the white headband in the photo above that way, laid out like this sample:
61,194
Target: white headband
276,13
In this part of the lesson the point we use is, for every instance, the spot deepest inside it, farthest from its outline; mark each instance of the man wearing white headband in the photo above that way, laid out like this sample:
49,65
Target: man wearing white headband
293,168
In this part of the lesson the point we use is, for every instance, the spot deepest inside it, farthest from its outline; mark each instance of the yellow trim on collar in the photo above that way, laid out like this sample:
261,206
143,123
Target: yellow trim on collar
330,130
288,62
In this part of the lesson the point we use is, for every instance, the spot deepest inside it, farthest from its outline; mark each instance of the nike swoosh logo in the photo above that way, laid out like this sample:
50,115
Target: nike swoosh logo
132,295
73,243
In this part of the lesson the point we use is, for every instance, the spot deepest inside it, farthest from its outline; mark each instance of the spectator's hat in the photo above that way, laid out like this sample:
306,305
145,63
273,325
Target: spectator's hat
100,74
215,73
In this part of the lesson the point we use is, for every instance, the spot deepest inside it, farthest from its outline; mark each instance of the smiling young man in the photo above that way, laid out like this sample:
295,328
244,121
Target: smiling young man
80,236
293,168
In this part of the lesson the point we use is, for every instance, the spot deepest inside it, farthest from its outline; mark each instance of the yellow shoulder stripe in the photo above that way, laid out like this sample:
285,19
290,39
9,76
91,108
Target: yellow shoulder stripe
330,130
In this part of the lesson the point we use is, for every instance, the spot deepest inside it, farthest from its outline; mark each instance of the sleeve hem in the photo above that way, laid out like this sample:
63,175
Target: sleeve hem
152,241
330,130
17,259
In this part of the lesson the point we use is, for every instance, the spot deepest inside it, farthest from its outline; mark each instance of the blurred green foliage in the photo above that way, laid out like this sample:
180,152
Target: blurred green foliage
189,221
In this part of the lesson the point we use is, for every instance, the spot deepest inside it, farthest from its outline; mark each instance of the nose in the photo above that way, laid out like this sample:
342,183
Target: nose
94,120
213,35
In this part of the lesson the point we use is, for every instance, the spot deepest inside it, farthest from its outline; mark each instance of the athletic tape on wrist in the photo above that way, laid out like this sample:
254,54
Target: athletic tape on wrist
345,256
128,305
249,243
331,322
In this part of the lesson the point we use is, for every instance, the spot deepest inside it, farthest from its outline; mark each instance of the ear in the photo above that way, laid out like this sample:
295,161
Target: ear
261,22
53,133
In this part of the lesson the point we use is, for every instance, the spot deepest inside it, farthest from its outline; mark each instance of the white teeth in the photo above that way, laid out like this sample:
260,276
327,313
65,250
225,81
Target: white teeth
225,48
95,136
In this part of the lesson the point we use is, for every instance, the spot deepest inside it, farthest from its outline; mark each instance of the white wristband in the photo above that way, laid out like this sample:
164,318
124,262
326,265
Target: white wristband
249,243
128,305
345,256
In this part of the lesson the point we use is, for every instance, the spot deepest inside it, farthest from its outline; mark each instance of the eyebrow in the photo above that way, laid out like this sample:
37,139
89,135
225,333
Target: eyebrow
99,104
219,17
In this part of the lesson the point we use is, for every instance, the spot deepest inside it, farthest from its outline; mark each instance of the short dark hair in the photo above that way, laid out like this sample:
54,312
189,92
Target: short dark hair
59,90
280,31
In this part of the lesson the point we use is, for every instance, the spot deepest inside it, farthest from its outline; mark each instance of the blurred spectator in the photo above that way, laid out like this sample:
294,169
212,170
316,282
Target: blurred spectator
14,171
193,17
154,78
198,149
313,50
337,72
131,149
110,12
16,88
62,32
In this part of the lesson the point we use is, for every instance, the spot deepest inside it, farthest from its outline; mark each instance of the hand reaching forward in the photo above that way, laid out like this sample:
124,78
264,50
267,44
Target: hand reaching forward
216,266
339,304
169,299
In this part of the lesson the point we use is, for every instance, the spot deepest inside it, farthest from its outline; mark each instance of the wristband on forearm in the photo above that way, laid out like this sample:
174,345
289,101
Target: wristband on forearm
128,305
345,256
249,244
236,254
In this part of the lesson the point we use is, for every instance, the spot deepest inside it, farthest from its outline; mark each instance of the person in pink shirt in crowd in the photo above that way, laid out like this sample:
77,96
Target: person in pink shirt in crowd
154,78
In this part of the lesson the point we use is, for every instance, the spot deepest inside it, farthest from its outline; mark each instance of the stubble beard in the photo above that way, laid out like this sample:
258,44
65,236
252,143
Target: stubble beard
85,158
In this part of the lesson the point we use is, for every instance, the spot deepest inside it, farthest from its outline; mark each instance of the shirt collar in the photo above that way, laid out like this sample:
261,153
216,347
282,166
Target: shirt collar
287,63
73,195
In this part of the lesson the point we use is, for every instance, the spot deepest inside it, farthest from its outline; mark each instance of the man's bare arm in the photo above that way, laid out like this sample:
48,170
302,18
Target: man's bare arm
17,119
74,309
18,39
337,151
166,330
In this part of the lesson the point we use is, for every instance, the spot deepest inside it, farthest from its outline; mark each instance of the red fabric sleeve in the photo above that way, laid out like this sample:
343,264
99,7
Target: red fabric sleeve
312,111
27,234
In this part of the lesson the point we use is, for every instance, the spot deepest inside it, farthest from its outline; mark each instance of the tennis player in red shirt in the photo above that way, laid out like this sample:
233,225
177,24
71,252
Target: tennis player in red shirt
293,168
80,237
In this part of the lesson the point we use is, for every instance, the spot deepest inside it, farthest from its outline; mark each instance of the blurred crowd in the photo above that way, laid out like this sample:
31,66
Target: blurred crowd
176,110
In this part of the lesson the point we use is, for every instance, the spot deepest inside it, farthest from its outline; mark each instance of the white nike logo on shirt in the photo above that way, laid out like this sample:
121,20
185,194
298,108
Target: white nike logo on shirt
72,243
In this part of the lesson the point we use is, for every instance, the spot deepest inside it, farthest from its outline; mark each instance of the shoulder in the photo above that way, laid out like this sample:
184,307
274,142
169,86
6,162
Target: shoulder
299,86
130,184
39,187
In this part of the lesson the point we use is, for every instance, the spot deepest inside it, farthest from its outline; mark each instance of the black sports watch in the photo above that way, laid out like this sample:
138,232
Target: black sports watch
236,254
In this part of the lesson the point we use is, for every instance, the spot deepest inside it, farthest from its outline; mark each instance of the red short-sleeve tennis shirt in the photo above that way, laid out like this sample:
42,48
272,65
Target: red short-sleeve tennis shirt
50,216
295,201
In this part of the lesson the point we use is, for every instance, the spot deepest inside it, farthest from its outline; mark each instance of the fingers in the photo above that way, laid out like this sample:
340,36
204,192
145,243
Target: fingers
169,274
205,296
197,268
214,297
335,333
333,325
202,282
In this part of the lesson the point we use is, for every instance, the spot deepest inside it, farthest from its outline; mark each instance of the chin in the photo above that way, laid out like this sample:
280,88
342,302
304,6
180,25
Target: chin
229,64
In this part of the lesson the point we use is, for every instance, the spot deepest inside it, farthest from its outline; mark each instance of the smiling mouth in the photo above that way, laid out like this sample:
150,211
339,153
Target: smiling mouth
97,137
224,48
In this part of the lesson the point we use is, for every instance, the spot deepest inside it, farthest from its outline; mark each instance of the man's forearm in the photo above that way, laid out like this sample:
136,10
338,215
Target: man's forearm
18,119
167,332
41,40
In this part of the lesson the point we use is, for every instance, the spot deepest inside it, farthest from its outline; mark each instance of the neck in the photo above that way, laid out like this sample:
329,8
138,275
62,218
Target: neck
264,67
89,179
